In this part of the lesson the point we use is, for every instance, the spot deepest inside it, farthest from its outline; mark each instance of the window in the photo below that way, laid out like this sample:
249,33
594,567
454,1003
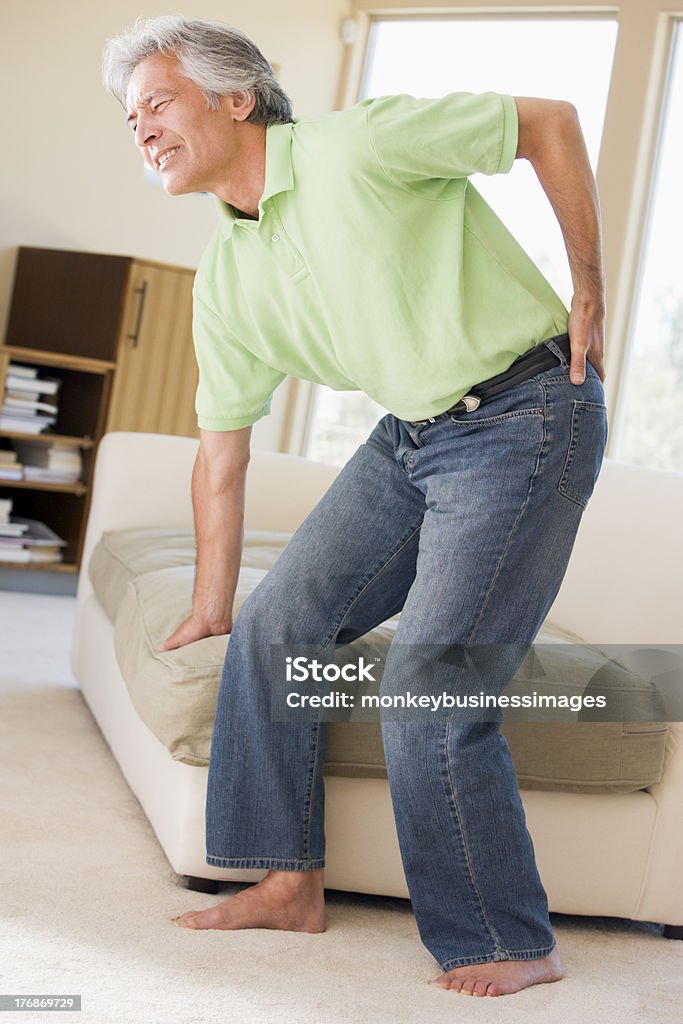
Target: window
652,399
518,55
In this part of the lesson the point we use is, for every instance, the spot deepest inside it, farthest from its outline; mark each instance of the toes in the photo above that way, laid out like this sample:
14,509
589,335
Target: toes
466,986
450,983
184,920
494,979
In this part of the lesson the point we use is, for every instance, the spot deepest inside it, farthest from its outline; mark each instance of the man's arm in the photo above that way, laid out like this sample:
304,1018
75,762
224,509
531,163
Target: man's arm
218,481
550,138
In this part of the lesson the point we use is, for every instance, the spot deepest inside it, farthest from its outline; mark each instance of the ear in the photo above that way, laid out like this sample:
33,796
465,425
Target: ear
241,104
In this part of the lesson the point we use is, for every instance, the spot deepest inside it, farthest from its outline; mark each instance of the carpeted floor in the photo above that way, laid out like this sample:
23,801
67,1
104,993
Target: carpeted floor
86,895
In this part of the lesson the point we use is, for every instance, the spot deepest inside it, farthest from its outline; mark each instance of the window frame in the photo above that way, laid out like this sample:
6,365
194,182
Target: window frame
634,118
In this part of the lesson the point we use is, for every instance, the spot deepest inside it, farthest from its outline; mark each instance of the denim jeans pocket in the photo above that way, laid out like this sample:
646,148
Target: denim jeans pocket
518,402
477,420
587,439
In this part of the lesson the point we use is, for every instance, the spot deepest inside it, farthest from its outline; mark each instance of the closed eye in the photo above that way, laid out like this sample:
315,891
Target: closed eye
155,105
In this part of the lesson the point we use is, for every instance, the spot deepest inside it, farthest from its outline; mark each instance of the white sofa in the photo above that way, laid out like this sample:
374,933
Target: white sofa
598,854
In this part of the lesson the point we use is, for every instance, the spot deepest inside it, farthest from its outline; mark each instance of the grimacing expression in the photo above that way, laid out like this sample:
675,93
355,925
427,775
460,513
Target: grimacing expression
191,147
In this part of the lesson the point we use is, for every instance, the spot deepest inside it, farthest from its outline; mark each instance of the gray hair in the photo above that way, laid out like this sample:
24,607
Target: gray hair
219,59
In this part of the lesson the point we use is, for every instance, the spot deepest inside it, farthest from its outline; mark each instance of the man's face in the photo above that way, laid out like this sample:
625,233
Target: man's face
191,147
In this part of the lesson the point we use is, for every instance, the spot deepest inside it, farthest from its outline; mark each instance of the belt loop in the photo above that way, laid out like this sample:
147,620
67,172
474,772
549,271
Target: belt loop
552,344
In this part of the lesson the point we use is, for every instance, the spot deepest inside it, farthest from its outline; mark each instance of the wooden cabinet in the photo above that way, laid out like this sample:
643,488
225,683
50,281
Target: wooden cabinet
117,332
156,372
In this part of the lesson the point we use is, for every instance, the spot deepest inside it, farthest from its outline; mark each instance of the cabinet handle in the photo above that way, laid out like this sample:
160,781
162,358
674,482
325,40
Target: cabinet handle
142,292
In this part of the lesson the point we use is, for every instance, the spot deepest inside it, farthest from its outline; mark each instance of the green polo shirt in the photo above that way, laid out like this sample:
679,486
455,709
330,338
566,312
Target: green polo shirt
375,265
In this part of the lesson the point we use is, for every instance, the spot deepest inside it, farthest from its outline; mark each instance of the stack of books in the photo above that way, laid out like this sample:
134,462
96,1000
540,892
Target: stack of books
7,529
54,463
27,540
24,409
11,533
10,467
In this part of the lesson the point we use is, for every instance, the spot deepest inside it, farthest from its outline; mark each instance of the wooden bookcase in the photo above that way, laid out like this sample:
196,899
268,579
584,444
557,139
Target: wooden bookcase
117,332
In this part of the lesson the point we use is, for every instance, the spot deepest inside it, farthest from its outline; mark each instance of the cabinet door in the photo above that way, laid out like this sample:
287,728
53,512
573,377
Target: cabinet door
156,373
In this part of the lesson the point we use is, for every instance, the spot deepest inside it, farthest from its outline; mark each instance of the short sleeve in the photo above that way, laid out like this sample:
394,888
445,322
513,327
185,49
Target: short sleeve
235,387
450,137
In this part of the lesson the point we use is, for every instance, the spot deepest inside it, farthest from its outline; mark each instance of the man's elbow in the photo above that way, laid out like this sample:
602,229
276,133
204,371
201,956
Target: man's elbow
541,123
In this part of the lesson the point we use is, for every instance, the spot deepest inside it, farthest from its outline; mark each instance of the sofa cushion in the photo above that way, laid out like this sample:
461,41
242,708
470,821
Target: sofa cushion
121,555
571,757
175,692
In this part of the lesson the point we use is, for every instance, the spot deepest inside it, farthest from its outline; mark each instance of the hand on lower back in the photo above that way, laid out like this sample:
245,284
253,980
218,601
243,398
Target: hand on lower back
586,335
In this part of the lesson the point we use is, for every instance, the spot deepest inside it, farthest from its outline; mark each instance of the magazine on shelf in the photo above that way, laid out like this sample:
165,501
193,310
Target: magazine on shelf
50,463
37,533
59,456
26,424
23,371
51,476
12,529
26,555
10,468
25,405
37,543
33,385
8,554
23,409
53,554
29,555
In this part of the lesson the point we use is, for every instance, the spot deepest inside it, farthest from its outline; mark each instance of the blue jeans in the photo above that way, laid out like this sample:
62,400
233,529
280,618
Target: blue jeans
465,525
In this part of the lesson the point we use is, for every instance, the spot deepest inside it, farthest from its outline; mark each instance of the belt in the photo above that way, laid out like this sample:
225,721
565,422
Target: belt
536,360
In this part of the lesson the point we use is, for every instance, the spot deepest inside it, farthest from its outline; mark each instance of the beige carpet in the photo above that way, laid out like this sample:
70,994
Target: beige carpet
86,895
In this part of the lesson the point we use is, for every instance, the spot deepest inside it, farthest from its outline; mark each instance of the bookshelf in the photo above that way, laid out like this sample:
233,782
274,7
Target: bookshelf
116,333
85,386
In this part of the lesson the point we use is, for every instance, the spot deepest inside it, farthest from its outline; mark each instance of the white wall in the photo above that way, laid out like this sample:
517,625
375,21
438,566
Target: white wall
70,176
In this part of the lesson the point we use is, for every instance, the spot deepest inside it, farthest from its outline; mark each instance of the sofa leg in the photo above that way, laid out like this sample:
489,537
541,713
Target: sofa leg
202,884
673,931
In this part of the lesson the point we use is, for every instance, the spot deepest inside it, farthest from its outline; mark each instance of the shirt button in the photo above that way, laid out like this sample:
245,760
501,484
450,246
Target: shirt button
275,238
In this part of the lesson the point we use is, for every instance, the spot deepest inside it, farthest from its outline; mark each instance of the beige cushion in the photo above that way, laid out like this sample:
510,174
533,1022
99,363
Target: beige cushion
574,757
121,555
175,692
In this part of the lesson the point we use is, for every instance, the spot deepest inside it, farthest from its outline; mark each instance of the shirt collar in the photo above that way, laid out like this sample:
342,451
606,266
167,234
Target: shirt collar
279,174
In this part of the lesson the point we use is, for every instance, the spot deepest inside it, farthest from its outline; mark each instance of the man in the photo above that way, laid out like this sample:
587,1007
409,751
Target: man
354,251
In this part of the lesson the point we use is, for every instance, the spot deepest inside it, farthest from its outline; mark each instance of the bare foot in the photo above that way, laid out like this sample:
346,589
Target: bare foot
502,977
292,901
